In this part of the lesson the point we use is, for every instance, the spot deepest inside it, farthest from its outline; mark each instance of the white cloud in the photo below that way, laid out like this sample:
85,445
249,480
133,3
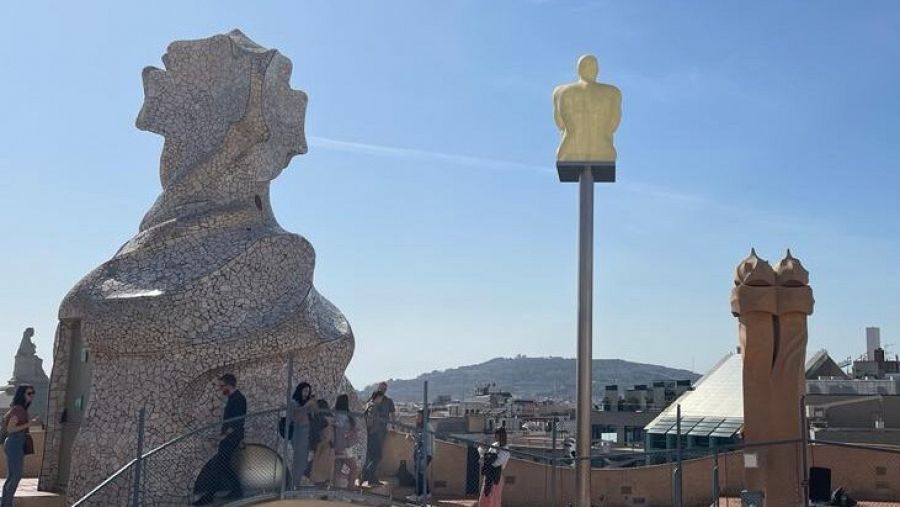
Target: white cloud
753,218
417,154
635,187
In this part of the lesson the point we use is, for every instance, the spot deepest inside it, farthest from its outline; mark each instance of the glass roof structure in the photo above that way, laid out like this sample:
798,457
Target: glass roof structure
715,408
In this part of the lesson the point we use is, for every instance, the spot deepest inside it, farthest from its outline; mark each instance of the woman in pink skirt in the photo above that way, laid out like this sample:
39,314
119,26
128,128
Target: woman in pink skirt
493,461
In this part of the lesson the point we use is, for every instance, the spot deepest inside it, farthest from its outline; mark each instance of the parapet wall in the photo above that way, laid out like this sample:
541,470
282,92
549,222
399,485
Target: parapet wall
865,474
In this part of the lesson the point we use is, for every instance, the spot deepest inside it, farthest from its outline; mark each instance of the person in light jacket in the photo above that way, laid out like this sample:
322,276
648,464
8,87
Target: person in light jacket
493,460
346,435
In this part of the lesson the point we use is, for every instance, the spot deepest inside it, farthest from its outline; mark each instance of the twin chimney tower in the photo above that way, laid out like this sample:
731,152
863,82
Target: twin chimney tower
772,306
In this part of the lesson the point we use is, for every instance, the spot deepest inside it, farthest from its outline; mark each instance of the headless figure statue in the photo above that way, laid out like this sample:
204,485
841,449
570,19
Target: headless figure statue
587,113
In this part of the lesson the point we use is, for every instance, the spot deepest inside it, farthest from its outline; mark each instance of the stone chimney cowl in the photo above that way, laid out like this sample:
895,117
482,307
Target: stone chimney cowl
754,271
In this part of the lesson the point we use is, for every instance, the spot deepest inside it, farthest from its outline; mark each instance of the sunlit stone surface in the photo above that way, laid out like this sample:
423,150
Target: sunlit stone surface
772,307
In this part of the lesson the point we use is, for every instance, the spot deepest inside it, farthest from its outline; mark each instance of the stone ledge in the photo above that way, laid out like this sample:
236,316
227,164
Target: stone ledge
28,495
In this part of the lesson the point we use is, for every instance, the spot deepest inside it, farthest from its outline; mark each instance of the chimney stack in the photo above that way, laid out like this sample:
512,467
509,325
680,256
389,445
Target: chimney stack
772,306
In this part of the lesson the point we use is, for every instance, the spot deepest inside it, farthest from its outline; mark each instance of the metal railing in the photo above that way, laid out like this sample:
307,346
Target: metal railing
265,473
266,466
188,454
262,465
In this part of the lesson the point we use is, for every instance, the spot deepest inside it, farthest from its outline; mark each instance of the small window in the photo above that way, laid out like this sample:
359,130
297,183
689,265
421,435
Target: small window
79,403
84,355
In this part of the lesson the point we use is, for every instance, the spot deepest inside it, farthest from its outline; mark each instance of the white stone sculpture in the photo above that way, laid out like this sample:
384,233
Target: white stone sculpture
211,284
29,369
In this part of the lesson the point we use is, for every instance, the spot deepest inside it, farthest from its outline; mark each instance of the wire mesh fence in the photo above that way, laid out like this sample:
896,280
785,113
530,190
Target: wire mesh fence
264,465
265,454
213,462
284,452
117,489
728,475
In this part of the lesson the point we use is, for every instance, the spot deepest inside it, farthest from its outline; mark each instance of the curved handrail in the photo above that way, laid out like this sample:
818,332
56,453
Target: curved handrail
166,445
103,484
173,441
207,427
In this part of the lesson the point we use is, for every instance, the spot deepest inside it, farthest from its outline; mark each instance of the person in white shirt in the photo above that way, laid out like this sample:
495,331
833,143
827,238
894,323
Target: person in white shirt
493,461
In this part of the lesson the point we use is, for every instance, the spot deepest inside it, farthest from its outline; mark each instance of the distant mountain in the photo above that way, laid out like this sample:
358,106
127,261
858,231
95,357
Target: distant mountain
530,377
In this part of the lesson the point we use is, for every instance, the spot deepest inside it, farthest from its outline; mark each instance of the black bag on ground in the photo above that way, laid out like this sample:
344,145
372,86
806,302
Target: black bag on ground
404,478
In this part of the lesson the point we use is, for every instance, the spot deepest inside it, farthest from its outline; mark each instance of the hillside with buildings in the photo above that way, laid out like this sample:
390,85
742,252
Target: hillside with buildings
532,377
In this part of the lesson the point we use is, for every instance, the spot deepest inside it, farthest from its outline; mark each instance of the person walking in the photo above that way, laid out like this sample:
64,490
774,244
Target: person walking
230,438
302,411
345,438
376,431
423,450
18,441
493,461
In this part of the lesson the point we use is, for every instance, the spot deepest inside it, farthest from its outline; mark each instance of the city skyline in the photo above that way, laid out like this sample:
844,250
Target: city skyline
429,190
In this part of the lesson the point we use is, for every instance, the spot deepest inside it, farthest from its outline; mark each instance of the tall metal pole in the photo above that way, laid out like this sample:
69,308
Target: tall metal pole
585,318
138,464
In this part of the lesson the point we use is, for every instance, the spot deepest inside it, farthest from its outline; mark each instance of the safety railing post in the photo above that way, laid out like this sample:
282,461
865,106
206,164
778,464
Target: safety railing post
804,439
552,463
286,473
715,485
421,464
138,464
678,458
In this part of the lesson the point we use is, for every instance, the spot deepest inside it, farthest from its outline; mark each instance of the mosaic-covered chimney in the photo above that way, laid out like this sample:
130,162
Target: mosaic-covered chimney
210,284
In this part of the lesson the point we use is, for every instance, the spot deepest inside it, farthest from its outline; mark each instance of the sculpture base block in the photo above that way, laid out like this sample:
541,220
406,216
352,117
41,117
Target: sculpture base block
603,172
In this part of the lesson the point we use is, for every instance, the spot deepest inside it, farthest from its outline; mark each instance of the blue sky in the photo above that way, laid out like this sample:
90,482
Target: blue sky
429,191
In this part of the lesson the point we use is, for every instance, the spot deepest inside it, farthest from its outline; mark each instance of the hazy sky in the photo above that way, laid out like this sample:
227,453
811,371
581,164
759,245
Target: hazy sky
429,190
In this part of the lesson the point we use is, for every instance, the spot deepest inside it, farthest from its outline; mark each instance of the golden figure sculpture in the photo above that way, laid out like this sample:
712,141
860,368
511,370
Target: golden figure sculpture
587,113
